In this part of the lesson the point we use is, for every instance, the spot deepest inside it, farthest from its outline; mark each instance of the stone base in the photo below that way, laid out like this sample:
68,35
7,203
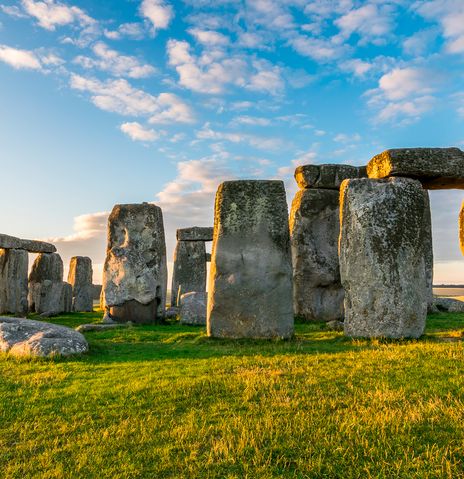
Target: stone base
320,303
136,312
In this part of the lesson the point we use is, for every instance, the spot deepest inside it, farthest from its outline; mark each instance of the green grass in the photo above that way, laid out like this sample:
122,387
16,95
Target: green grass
167,402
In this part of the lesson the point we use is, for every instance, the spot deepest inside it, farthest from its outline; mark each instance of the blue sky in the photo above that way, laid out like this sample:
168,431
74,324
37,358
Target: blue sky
129,101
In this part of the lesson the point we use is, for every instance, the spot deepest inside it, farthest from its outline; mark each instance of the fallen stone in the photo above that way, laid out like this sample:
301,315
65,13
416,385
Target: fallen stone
80,278
193,308
189,269
250,287
314,230
85,328
448,305
13,282
383,257
33,246
196,233
329,176
435,168
135,270
25,337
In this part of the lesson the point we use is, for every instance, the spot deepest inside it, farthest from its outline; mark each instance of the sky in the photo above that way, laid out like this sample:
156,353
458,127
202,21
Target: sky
154,100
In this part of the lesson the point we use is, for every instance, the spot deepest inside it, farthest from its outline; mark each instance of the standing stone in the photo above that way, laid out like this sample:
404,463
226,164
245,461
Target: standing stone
383,263
52,297
13,282
193,308
47,267
189,270
314,230
250,286
135,270
80,278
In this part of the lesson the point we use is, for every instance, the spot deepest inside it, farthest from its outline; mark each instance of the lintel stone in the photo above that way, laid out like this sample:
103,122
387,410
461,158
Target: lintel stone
33,246
196,233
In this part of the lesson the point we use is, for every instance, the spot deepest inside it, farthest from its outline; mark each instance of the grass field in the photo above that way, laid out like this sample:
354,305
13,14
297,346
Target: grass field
167,402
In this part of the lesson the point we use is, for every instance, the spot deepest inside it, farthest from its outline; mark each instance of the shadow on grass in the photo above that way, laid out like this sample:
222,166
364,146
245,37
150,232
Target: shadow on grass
173,341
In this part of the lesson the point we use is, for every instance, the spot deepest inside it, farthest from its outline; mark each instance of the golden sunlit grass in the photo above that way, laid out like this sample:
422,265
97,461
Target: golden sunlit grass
167,402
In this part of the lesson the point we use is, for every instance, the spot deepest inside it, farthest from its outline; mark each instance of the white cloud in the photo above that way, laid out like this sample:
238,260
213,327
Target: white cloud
157,12
19,59
212,71
113,62
251,120
209,37
13,11
370,22
318,49
120,97
450,15
137,132
403,82
135,31
356,66
344,138
50,14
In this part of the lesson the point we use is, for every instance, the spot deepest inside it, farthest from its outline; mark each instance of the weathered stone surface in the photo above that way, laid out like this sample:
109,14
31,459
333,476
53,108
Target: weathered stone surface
33,246
193,308
383,258
189,270
250,286
47,266
435,168
328,176
135,270
25,337
80,278
13,282
314,230
47,291
50,297
196,233
448,305
461,228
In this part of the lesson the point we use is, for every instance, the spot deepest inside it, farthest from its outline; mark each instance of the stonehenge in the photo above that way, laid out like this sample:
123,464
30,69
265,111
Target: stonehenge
193,308
314,230
80,278
383,257
135,269
250,283
190,258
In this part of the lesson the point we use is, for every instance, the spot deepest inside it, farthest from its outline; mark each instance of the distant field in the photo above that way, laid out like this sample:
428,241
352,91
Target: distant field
448,291
167,402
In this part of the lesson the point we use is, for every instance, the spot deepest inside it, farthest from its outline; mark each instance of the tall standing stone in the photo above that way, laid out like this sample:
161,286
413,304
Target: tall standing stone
314,230
250,286
13,281
80,278
135,270
189,270
383,260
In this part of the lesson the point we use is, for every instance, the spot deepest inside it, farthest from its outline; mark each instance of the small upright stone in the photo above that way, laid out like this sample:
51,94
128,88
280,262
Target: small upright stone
329,176
80,278
250,286
383,260
193,308
47,291
435,168
189,270
314,230
13,282
135,270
